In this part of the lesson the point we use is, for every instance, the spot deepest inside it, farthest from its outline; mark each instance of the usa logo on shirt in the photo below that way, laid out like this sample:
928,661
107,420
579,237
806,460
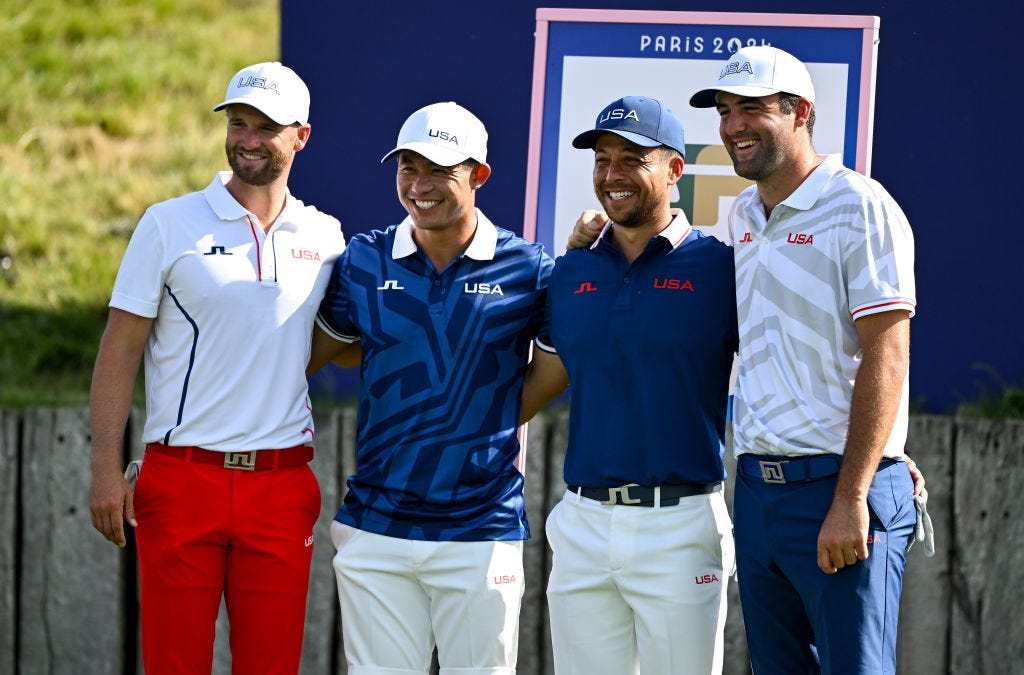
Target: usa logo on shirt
483,289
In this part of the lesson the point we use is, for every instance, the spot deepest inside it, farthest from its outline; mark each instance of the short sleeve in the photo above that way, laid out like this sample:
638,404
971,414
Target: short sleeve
140,279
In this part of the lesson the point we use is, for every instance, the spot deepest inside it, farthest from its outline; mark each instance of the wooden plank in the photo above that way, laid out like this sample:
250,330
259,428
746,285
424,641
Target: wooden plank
135,449
72,583
987,573
322,601
75,591
735,660
531,615
346,467
923,639
558,441
9,517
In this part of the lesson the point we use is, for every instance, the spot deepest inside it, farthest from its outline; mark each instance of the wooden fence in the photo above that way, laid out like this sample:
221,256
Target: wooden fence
68,601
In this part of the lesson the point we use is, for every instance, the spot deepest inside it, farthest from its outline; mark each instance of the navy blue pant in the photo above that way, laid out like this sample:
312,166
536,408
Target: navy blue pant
799,619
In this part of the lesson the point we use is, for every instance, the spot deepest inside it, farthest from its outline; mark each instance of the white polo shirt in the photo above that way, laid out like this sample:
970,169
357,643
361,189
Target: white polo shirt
837,249
234,310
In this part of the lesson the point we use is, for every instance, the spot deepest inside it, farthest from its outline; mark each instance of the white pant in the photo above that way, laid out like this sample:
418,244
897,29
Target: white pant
639,590
401,596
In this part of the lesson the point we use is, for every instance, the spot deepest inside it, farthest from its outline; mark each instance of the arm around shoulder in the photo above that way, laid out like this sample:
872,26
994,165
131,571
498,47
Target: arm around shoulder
588,227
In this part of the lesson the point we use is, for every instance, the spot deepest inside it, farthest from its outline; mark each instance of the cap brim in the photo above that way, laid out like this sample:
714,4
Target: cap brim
707,98
437,155
279,116
588,139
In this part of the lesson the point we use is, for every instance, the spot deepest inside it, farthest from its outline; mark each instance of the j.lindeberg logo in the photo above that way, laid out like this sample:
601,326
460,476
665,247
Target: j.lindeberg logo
218,250
585,287
391,285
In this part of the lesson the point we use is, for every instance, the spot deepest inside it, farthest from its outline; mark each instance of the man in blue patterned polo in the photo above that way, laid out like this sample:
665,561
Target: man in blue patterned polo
443,307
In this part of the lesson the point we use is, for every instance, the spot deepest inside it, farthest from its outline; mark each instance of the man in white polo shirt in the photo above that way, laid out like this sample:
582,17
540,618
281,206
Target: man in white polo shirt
824,508
218,290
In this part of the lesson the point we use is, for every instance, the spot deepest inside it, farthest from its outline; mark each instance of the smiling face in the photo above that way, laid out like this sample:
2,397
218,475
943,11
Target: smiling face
260,151
760,138
438,197
634,183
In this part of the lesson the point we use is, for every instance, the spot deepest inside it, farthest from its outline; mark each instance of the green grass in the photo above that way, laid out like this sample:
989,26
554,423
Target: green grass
997,398
106,109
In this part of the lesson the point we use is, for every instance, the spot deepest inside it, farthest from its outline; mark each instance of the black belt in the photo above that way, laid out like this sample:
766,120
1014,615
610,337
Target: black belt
641,495
780,469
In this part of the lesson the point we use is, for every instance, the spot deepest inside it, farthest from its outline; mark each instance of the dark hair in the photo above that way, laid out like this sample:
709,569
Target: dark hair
668,153
470,165
788,103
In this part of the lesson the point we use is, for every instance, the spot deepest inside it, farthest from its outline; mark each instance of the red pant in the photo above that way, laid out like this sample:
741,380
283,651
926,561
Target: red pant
206,531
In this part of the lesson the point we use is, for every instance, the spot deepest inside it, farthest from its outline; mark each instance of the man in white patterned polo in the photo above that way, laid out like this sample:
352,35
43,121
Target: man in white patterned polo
824,507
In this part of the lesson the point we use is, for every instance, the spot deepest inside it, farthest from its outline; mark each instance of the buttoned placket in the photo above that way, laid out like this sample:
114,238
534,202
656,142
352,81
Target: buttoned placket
266,251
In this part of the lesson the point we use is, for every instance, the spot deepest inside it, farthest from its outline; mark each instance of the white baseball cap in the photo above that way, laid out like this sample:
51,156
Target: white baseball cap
273,89
758,71
445,133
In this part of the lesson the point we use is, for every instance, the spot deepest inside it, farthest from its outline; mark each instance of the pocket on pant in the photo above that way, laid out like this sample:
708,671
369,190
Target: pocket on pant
342,535
313,494
726,549
148,492
551,525
891,495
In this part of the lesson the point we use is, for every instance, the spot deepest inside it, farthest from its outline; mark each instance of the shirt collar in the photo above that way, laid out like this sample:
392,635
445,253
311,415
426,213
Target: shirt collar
675,234
678,230
806,195
481,246
227,207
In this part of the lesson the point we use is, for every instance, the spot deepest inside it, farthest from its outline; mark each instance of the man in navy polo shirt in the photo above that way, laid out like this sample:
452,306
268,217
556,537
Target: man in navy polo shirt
444,307
644,322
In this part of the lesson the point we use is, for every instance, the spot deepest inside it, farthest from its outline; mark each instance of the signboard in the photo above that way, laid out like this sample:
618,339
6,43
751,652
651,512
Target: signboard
585,59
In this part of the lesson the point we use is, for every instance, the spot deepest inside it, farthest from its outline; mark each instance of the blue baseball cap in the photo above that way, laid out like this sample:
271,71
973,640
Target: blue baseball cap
645,121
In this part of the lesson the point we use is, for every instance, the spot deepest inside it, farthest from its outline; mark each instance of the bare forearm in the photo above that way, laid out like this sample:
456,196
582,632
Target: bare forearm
875,404
885,343
110,401
113,383
324,349
545,380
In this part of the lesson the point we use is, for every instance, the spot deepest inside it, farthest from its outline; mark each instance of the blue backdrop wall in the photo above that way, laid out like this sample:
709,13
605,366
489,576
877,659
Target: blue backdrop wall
942,99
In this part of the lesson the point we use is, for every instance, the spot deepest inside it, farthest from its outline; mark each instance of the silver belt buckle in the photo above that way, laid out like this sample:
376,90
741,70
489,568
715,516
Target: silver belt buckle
243,461
771,472
620,493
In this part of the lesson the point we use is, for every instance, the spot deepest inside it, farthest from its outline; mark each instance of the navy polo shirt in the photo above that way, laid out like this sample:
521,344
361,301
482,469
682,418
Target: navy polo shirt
649,349
444,354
